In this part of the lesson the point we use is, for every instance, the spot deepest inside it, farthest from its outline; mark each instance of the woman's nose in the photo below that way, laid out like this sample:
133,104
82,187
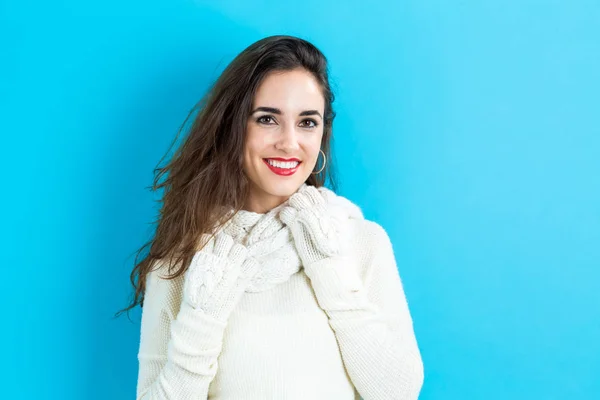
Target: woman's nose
289,138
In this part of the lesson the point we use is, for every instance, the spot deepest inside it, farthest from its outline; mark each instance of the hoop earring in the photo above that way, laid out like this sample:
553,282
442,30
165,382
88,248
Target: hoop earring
324,163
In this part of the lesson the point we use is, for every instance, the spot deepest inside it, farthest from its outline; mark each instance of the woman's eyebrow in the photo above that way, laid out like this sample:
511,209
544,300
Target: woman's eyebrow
310,112
278,111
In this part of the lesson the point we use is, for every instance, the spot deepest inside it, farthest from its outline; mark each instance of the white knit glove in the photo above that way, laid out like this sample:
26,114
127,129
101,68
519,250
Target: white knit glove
218,276
317,237
315,231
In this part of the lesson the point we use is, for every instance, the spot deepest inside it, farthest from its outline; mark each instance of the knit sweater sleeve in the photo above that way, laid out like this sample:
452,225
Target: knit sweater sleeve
373,325
179,345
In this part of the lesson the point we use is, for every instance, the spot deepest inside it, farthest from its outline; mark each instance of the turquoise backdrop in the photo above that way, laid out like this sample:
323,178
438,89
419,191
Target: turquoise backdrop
468,129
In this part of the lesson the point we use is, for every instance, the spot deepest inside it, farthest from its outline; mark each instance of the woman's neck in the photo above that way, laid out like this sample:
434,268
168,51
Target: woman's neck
261,202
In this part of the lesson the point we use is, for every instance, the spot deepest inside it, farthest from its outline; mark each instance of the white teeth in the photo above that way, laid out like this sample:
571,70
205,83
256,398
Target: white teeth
286,165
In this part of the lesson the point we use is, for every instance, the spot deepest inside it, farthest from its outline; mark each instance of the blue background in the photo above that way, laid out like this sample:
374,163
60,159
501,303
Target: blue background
468,129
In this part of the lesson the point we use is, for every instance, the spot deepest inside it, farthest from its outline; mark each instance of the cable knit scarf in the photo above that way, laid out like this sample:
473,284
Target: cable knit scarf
271,242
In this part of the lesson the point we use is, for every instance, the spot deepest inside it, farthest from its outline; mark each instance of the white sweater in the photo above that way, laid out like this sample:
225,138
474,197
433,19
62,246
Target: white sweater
278,343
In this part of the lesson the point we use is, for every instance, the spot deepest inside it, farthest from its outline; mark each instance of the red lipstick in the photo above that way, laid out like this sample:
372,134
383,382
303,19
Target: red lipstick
282,171
283,159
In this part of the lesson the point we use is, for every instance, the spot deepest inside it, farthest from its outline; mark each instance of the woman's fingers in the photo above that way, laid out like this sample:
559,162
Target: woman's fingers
287,215
307,198
223,244
321,232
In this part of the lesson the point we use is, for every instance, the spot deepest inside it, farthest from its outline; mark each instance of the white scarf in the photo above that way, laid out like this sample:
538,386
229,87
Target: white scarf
277,256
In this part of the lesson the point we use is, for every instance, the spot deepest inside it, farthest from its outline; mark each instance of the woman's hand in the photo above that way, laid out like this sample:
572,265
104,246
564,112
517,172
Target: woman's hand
218,276
316,227
315,231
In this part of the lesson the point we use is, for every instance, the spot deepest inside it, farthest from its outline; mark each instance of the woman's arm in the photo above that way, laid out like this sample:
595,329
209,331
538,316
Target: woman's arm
371,320
177,356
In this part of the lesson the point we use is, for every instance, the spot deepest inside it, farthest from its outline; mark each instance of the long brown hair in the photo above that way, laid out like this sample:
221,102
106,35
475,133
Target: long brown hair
205,177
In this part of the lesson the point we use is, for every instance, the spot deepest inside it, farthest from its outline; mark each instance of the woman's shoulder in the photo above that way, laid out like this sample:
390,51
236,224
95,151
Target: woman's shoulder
366,242
367,234
163,290
363,235
363,230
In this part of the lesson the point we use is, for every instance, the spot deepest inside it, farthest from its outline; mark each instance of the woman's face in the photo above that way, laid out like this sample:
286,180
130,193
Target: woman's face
286,123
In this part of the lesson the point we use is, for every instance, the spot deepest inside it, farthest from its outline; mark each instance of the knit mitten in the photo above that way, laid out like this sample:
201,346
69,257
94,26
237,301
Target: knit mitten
315,223
218,276
315,232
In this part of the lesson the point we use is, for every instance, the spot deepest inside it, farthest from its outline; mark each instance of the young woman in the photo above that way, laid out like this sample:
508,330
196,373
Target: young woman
260,282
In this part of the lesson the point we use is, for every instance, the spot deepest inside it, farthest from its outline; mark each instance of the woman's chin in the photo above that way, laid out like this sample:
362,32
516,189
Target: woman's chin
281,187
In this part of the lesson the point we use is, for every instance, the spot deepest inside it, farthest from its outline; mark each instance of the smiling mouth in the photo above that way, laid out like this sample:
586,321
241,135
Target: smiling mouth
283,168
283,164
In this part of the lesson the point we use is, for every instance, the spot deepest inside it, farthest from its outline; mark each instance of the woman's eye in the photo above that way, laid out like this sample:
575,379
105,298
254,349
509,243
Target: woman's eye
309,123
265,119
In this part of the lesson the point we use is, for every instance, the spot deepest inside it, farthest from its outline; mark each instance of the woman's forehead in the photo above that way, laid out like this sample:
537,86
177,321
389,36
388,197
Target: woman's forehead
290,91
